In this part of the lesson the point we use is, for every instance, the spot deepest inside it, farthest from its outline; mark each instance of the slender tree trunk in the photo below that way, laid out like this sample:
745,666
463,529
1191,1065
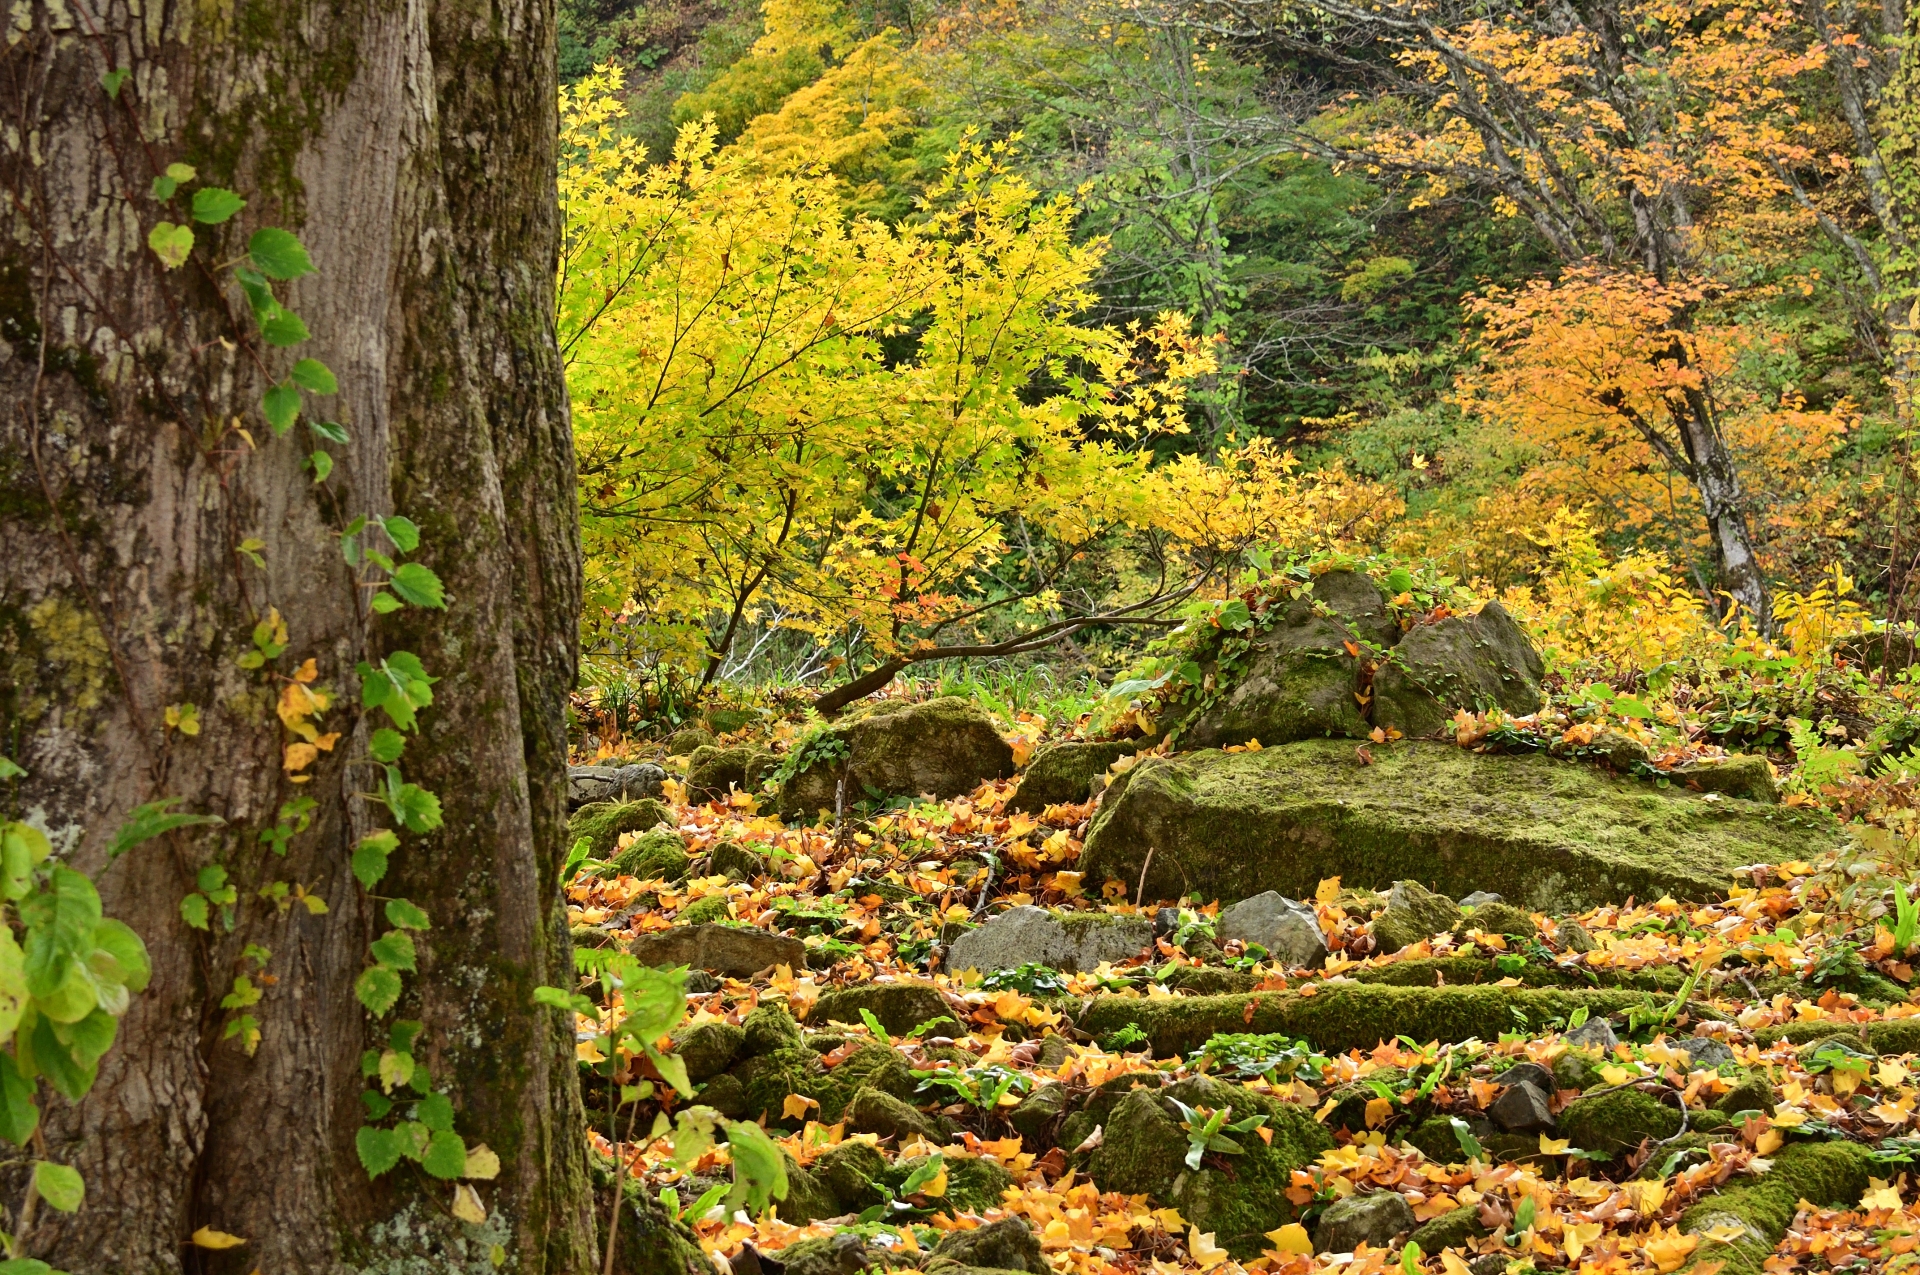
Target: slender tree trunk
410,145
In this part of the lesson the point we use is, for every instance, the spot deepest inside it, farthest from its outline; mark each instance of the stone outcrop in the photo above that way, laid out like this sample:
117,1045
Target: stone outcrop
941,748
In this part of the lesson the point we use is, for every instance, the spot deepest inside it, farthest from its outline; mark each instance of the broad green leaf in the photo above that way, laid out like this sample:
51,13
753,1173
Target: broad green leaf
154,819
759,1170
312,374
435,1111
386,745
19,1115
26,1266
278,255
113,79
331,431
281,407
446,1156
395,950
259,291
412,806
9,768
171,244
385,603
379,1149
22,847
283,328
396,1067
418,585
404,1033
370,856
213,205
89,1039
55,1061
13,985
407,916
60,1185
404,532
378,1105
193,910
377,988
72,998
322,466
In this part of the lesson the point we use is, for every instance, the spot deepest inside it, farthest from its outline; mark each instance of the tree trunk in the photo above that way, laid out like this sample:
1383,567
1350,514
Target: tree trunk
411,146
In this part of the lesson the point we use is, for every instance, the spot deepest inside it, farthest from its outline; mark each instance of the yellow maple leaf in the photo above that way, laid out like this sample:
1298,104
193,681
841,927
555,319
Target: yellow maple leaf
797,1105
1769,1141
1577,1236
1292,1238
1379,1111
1327,891
1880,1196
1204,1250
1615,1074
207,1237
1556,1146
483,1163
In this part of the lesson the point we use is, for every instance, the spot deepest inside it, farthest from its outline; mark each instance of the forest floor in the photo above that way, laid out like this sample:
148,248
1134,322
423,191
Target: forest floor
1793,981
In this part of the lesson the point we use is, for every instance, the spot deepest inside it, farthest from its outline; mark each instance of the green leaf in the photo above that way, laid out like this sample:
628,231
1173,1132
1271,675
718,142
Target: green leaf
370,856
1463,1134
163,188
386,745
60,920
407,916
171,243
52,1058
213,205
385,603
403,1033
283,328
1399,581
322,466
182,173
378,988
378,1105
60,1185
436,1112
10,769
759,1171
278,255
395,950
193,910
412,806
404,533
113,79
259,291
19,1115
312,374
22,848
379,1149
331,431
154,819
418,585
211,878
281,407
874,1026
446,1156
119,954
26,1266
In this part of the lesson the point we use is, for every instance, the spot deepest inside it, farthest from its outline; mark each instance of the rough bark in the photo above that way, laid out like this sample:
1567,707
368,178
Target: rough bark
411,147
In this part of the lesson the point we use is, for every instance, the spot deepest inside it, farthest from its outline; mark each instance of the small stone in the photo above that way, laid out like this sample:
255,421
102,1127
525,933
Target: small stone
1289,930
1378,1218
1704,1053
733,860
768,1029
722,949
659,853
1480,898
1064,774
1006,1245
699,983
1500,918
588,784
886,1116
713,772
1413,913
1574,937
726,1095
1038,1111
1531,1074
1521,1108
707,1049
1028,935
683,741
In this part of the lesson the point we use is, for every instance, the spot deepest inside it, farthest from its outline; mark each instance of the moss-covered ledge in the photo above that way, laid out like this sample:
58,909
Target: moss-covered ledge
1342,1016
1826,1174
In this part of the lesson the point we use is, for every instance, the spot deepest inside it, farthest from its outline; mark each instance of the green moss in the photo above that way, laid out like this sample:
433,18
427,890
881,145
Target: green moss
810,1194
1826,1174
1546,834
1615,1123
1450,1230
900,1007
857,1174
1577,1069
713,771
659,854
943,747
603,822
767,1028
1458,971
1413,914
769,1079
708,1048
888,1116
1890,1036
702,911
1342,1016
1753,1092
1063,774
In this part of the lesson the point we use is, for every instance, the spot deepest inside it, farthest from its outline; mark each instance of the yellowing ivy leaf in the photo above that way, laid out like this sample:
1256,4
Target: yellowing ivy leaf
207,1237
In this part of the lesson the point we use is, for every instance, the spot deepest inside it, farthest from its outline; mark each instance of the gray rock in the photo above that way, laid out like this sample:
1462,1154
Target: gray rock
1478,661
1027,935
1378,1218
1064,774
714,772
1704,1053
699,983
1744,775
1006,1245
942,748
723,949
730,859
586,784
1532,1075
1413,913
1575,938
1480,897
1289,930
1521,1108
1595,1033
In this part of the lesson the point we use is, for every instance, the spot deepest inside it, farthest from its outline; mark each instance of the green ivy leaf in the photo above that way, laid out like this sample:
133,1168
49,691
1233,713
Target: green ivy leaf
113,79
163,188
407,916
19,1115
378,1105
377,988
283,327
412,806
152,820
281,406
386,745
379,1149
312,374
436,1112
22,848
193,910
171,243
370,857
385,603
331,431
60,1185
404,532
395,950
278,255
322,466
213,205
418,585
259,291
446,1156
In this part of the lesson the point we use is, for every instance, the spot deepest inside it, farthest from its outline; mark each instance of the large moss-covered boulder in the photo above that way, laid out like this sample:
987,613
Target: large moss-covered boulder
1545,834
1413,913
1615,1122
603,823
1300,677
1063,774
1756,1211
733,951
713,772
1746,775
1479,661
941,748
658,853
1143,1149
1006,1245
651,1242
899,1007
769,1079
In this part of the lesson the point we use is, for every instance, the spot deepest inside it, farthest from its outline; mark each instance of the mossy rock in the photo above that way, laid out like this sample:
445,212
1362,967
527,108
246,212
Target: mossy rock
708,1048
1144,1148
1753,1092
1063,774
974,1183
1549,835
1454,1229
660,853
1889,1036
707,910
1499,918
730,859
1299,679
1038,1114
713,771
1436,1139
688,738
603,822
900,1007
725,1094
1577,1069
651,1242
1210,980
942,748
1346,1105
857,1174
809,1195
1744,775
1480,661
1615,1123
1343,1016
879,1067
887,1116
1413,914
1825,1174
767,1028
725,721
1457,971
842,1254
1006,1245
